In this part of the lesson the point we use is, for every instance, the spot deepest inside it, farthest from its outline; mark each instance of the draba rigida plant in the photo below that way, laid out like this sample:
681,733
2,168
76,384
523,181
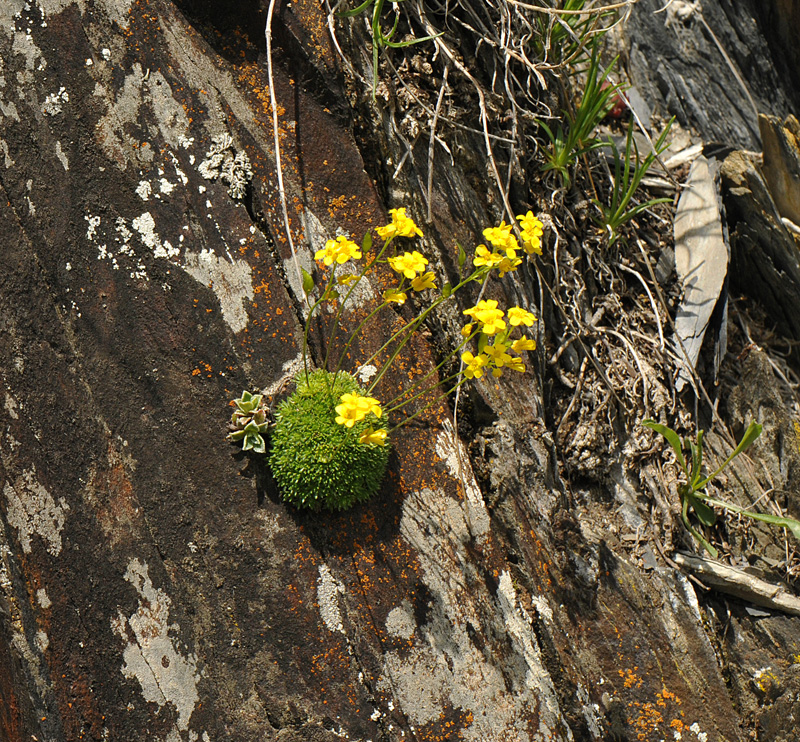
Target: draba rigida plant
330,439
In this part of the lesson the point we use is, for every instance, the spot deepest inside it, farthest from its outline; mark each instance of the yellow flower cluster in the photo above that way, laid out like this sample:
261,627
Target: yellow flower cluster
531,233
501,237
489,316
503,255
409,263
353,408
339,251
400,226
491,323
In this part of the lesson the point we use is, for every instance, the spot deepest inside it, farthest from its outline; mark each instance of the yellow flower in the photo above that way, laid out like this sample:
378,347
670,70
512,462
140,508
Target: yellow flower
523,344
399,297
475,364
508,264
531,233
401,226
466,330
339,250
516,364
426,281
519,316
501,237
483,256
348,413
490,317
328,253
497,354
354,408
346,280
409,263
369,405
373,437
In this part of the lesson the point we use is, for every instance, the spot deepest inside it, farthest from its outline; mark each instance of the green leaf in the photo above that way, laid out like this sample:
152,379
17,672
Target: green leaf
447,290
776,520
366,243
704,513
697,460
308,281
752,432
355,11
483,341
672,438
462,256
259,446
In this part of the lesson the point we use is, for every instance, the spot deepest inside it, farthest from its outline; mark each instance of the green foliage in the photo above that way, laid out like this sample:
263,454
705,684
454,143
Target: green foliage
629,169
249,422
690,491
567,145
380,39
317,463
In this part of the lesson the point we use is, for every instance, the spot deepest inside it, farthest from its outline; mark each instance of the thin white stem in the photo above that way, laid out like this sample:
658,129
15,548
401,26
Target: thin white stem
277,143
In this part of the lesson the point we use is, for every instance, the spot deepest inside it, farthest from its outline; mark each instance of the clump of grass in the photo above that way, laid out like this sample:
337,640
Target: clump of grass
575,136
629,169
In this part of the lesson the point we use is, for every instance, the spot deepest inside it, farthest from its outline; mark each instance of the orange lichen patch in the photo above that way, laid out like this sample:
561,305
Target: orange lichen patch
630,679
647,719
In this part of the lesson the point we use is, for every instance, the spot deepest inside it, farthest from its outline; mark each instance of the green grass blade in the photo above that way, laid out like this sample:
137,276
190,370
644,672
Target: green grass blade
672,438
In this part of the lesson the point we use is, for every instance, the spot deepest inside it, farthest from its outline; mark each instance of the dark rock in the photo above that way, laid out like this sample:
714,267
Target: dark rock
765,261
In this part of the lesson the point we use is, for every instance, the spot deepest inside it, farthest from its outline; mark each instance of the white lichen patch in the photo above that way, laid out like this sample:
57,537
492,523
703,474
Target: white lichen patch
94,223
419,681
518,625
400,622
11,406
41,641
62,158
328,591
151,656
591,712
139,88
144,189
366,372
54,103
42,598
223,162
452,452
33,511
145,225
231,281
445,668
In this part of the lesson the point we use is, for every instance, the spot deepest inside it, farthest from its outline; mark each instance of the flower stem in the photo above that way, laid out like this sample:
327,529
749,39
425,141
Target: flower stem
427,406
308,324
410,327
434,370
339,311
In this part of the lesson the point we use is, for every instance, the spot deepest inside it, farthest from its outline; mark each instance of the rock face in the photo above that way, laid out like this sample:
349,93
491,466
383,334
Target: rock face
152,584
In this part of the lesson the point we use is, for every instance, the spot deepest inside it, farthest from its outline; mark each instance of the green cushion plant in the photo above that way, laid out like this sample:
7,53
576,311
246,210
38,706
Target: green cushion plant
317,462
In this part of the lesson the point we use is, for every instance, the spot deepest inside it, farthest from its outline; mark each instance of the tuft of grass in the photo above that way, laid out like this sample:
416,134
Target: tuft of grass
317,463
568,143
629,169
